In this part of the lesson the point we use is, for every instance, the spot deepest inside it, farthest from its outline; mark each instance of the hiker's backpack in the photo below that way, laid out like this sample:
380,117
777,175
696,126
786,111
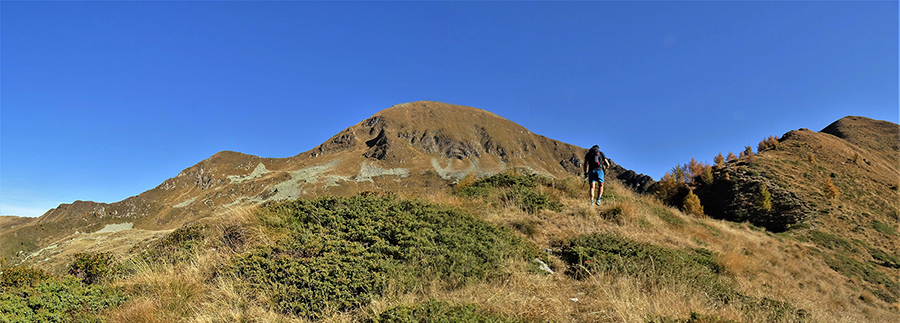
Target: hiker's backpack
595,159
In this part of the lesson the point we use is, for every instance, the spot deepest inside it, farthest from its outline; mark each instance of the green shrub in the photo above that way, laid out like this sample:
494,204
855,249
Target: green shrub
695,318
93,267
697,268
437,312
339,253
521,191
473,191
527,227
30,295
22,276
507,179
177,246
529,200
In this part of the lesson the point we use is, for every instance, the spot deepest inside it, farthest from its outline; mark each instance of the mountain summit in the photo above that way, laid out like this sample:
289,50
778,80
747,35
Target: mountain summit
452,140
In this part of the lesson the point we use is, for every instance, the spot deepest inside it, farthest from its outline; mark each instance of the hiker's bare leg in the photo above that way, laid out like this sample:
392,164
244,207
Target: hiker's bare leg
601,193
593,187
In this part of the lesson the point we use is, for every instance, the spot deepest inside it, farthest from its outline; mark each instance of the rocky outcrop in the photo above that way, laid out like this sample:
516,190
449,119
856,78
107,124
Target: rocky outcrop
736,196
639,183
342,141
378,146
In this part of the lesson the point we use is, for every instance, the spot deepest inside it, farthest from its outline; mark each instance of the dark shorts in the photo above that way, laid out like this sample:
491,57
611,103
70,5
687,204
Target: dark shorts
595,175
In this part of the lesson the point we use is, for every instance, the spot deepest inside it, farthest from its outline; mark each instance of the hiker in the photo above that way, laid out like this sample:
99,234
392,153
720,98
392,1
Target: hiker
594,164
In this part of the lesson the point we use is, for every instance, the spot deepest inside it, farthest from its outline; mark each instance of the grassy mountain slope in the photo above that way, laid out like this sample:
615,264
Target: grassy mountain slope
467,255
414,147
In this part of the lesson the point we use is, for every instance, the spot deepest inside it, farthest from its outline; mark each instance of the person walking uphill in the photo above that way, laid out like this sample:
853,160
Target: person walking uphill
594,164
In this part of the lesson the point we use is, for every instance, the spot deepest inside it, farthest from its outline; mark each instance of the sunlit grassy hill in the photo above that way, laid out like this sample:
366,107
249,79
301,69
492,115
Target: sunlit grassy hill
470,254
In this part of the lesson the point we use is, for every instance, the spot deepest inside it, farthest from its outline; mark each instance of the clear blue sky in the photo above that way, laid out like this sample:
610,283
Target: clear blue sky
104,100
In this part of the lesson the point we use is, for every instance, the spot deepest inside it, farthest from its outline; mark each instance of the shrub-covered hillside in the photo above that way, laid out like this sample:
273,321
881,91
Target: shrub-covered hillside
506,248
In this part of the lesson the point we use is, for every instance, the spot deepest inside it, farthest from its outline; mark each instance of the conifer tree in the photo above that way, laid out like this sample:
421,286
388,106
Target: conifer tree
764,200
720,160
768,143
707,175
731,156
667,187
678,172
692,204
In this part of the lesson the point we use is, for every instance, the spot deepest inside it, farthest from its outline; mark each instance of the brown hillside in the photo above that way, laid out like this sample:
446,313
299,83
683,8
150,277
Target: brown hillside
855,226
879,137
413,148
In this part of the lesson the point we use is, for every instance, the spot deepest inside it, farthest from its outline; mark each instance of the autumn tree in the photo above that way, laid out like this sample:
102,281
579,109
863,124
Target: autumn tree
706,177
773,142
731,157
769,143
720,160
831,191
692,204
764,199
748,152
678,172
668,186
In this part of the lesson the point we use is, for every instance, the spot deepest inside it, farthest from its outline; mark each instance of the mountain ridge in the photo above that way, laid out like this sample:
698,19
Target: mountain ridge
412,147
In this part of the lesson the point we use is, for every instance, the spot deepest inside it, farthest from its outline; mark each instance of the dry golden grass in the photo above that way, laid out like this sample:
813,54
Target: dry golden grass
762,265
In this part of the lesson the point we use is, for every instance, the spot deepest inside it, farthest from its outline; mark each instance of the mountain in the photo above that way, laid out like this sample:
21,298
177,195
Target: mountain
413,147
776,242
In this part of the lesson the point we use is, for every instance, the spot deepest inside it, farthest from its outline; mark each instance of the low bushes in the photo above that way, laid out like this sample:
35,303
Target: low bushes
32,295
436,311
657,266
339,253
521,191
177,246
594,253
93,268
